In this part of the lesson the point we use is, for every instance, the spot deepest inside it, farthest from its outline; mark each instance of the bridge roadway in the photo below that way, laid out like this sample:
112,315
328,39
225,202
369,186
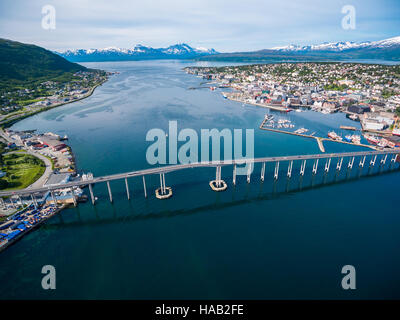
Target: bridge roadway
165,169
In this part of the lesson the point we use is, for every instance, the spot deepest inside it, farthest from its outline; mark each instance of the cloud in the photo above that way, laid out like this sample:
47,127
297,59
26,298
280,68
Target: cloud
225,25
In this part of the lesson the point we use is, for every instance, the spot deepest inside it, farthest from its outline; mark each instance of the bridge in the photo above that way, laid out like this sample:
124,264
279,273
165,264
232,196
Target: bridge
218,184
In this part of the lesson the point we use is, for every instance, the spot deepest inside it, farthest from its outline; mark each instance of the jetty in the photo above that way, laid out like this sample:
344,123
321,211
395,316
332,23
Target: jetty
318,139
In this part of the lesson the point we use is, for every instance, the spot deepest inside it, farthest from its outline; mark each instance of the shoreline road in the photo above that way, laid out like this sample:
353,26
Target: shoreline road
46,174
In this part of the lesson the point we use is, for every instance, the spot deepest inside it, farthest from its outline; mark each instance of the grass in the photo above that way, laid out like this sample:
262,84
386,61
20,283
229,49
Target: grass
22,170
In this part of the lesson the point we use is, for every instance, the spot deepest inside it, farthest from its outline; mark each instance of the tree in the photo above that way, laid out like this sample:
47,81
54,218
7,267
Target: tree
3,184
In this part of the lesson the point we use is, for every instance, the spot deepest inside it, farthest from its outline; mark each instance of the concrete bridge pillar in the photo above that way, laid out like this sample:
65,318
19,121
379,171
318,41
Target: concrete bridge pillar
327,164
144,187
263,171
91,193
163,192
127,188
362,162
290,167
34,201
394,158
218,184
372,162
315,166
53,198
303,167
276,172
351,162
339,164
109,191
383,160
248,173
12,203
73,197
234,174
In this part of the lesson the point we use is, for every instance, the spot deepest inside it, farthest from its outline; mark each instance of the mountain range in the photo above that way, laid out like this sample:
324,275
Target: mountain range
138,52
388,49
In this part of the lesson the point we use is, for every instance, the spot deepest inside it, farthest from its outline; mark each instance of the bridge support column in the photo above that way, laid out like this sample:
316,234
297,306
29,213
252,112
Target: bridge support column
53,198
372,162
109,191
34,200
144,187
218,184
263,171
339,164
351,162
303,167
327,165
161,193
394,158
73,197
12,203
362,162
234,174
127,188
91,193
20,200
276,172
290,167
315,166
383,160
248,173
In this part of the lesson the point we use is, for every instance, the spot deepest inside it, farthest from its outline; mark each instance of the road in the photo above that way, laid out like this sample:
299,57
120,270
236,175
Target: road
40,182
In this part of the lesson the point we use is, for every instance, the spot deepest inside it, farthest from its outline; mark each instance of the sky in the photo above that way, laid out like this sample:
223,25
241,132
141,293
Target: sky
226,26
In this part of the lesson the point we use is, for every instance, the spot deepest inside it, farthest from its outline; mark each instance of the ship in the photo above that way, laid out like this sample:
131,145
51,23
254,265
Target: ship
356,139
334,136
396,132
348,138
371,139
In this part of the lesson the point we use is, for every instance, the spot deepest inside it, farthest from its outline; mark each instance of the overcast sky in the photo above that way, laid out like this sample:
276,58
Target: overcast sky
224,25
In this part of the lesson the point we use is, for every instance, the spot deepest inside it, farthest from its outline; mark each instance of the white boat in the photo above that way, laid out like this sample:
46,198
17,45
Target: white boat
396,132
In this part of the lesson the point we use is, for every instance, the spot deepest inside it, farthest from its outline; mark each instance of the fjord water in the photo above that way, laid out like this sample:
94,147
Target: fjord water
288,239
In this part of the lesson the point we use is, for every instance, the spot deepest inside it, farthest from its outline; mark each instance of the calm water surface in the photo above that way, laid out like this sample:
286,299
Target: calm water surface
287,239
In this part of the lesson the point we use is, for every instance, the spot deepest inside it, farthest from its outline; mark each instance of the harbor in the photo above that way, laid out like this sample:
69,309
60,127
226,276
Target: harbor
25,221
302,133
149,244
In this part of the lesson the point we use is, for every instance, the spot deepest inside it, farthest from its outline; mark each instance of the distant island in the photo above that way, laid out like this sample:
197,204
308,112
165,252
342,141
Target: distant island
33,79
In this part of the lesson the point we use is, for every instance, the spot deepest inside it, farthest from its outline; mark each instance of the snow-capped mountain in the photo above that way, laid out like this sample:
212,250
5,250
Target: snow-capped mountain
388,49
342,46
138,52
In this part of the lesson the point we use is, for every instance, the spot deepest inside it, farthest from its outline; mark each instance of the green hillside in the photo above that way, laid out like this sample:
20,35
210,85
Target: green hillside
25,64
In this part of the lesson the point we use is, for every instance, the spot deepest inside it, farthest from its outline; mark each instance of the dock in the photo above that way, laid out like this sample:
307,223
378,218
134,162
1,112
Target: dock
348,128
318,139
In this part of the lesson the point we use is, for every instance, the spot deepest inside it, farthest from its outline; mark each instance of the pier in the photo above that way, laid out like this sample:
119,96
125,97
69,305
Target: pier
318,139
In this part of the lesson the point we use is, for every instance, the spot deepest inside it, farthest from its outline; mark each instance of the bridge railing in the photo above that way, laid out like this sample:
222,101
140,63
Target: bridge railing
171,168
